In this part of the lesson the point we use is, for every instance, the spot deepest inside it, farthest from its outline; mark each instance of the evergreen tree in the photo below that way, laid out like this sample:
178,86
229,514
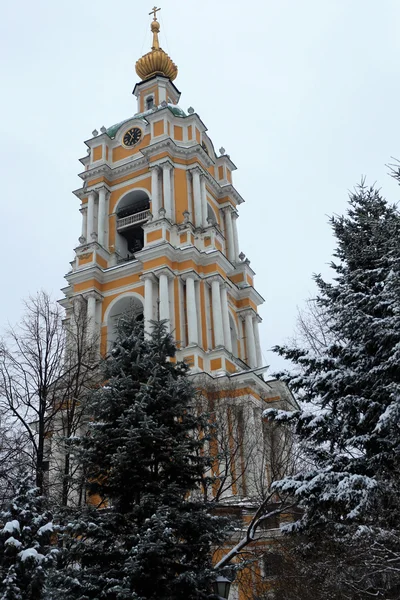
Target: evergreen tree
143,461
25,550
351,393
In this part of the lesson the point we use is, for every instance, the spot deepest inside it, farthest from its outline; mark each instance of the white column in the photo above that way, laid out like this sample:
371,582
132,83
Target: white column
217,313
198,209
84,223
90,216
164,298
230,251
148,305
257,342
225,318
155,191
235,236
193,333
203,200
190,196
91,315
101,219
250,342
167,189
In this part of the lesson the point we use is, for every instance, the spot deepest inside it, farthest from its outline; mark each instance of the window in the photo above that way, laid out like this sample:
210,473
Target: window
149,102
271,563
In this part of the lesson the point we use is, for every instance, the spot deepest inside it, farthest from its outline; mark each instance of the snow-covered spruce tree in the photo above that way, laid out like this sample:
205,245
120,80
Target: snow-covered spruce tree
351,393
143,461
26,553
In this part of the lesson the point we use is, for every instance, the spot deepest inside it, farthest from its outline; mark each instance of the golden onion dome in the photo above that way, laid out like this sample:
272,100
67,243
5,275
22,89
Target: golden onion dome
156,62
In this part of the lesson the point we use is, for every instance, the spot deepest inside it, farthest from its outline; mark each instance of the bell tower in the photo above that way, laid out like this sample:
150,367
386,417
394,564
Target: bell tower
160,230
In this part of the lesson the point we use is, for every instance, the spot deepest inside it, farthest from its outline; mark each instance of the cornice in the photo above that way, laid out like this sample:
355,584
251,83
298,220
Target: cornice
177,150
195,151
250,292
225,158
231,191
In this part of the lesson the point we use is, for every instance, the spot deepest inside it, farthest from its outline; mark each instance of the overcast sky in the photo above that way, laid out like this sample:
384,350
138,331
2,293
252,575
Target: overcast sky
304,96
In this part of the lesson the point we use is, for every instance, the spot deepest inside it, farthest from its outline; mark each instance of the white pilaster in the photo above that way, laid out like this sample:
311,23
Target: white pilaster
230,251
257,341
91,315
148,303
191,309
250,342
90,216
164,298
101,220
203,200
155,191
84,222
190,196
217,312
235,236
167,189
198,208
225,318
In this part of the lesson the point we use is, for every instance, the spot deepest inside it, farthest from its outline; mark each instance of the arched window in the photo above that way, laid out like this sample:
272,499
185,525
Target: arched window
124,305
149,102
132,211
211,216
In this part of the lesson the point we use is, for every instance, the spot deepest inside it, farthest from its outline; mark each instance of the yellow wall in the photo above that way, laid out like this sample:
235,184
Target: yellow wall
178,133
181,194
158,128
120,152
97,153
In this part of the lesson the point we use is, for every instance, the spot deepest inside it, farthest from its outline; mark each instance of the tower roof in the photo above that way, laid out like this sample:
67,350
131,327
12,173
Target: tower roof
156,62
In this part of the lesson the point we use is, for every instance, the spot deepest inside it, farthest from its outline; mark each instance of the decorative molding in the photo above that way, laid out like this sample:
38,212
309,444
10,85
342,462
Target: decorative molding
164,271
149,275
190,275
245,312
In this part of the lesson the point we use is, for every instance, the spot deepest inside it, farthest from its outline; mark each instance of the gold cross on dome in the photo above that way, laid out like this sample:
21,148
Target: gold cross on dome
154,12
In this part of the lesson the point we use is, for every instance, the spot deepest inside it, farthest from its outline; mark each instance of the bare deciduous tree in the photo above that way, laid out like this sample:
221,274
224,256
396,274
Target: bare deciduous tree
45,367
248,455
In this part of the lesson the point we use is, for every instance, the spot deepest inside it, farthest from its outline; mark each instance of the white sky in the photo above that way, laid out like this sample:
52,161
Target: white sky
304,96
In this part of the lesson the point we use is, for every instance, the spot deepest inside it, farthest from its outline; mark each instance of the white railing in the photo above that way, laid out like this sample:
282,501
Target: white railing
133,219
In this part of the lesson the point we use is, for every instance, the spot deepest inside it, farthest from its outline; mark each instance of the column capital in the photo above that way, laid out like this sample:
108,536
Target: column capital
93,294
149,276
217,278
102,187
190,275
195,170
167,164
165,271
155,167
228,209
247,312
93,193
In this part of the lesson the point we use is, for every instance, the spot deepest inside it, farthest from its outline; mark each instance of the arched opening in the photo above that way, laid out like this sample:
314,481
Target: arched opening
234,337
132,211
211,216
124,305
149,102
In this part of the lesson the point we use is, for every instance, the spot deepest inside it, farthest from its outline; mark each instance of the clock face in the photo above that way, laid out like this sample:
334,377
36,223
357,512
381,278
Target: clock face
132,136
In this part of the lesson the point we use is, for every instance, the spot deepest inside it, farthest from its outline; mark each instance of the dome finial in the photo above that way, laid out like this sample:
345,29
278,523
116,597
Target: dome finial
156,62
155,28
